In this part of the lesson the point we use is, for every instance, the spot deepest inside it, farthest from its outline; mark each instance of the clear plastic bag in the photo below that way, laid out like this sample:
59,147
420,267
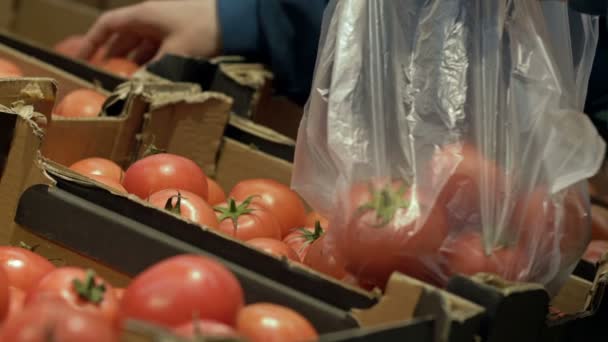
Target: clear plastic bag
446,136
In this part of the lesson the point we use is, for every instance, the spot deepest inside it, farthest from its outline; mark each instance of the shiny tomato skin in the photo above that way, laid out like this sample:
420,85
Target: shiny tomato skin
205,328
287,325
298,241
312,218
279,199
323,259
52,320
274,247
165,171
110,183
9,69
192,206
70,46
259,223
23,267
464,254
16,301
595,251
99,167
59,285
83,103
216,194
120,66
177,289
5,293
119,292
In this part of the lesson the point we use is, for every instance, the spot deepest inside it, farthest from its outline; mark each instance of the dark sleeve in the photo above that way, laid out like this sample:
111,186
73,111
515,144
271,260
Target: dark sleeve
282,34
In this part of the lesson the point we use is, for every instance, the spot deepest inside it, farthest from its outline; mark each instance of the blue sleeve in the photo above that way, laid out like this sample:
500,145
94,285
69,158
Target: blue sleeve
283,34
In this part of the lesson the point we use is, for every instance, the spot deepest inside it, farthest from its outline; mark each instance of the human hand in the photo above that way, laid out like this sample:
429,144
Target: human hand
151,29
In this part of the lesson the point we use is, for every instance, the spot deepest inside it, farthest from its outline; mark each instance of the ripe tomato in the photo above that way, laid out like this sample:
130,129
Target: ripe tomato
99,167
313,217
173,291
196,329
322,259
265,322
185,204
599,223
120,66
385,232
16,301
596,250
110,183
119,292
246,221
9,69
78,288
275,247
216,194
301,239
23,268
52,320
165,171
280,200
4,295
70,46
84,103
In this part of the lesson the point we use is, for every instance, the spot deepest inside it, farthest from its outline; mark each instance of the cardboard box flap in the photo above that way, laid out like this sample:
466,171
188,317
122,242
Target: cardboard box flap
37,92
161,99
260,131
55,170
247,74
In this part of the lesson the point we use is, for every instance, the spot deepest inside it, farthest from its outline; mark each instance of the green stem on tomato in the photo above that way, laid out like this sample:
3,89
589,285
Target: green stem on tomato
88,289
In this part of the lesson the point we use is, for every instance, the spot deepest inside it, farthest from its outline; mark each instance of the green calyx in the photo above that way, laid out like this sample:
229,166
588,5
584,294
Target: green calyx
313,236
177,208
152,150
385,202
234,211
89,289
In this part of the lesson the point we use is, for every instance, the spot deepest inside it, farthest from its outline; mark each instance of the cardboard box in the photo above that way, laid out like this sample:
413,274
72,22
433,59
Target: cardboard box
7,12
63,225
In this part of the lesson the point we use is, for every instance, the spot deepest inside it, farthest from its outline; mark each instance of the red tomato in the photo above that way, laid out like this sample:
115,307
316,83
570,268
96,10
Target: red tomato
4,295
119,292
99,56
215,192
99,167
599,223
70,46
165,171
9,69
54,321
596,250
246,221
173,291
385,232
120,66
301,239
78,288
24,268
321,259
185,204
275,247
265,322
16,301
201,328
313,217
83,103
110,183
279,199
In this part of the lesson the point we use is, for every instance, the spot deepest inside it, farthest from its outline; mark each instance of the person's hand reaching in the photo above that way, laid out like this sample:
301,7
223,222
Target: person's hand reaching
151,29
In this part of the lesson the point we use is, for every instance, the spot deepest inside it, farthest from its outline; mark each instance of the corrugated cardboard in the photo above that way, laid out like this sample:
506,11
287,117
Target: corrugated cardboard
7,8
49,21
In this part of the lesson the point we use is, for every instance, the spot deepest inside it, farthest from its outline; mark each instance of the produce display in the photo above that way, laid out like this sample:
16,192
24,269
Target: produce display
190,295
9,69
81,103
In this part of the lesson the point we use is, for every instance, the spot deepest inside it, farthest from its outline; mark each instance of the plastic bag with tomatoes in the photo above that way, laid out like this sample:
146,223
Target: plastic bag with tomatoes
446,136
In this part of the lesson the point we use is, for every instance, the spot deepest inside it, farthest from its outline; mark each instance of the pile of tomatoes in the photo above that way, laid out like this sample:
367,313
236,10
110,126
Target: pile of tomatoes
188,294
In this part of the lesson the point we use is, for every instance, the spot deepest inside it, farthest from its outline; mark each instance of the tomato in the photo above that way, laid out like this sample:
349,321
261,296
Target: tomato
246,221
313,217
265,322
165,171
599,223
185,204
216,194
596,251
99,167
172,291
301,239
120,66
80,289
119,292
84,103
195,329
323,259
4,295
110,183
385,231
23,267
9,69
280,200
52,320
275,247
16,301
70,46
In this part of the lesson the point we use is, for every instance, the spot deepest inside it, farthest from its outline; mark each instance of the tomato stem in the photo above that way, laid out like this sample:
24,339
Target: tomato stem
88,289
313,236
30,248
177,208
152,150
234,211
385,202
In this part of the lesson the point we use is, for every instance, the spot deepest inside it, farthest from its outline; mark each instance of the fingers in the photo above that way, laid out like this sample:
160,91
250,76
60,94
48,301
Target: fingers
123,44
144,53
